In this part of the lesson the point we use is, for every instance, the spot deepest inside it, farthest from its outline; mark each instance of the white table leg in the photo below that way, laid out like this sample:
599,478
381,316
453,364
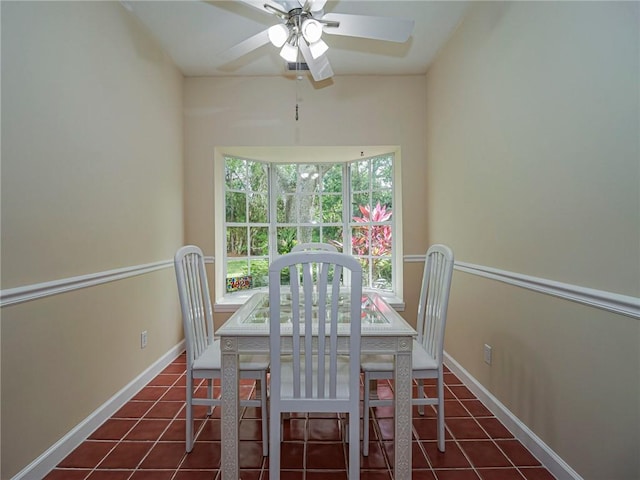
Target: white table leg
230,410
402,383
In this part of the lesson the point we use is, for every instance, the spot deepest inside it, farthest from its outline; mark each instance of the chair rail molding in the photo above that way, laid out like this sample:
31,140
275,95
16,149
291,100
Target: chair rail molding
12,296
612,302
413,258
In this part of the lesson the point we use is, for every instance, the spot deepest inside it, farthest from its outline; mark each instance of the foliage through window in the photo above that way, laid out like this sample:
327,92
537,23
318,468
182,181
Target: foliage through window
271,207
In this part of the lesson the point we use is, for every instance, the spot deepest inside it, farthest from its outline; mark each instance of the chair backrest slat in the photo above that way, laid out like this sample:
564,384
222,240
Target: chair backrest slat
322,326
308,328
434,299
335,293
295,313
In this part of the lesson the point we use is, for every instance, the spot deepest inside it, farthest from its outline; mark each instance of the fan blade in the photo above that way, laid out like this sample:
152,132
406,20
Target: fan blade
246,46
318,5
320,67
376,28
273,7
312,5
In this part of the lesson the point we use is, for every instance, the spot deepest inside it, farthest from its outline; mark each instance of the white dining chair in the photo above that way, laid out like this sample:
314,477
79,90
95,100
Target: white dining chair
313,246
427,348
301,247
203,350
310,375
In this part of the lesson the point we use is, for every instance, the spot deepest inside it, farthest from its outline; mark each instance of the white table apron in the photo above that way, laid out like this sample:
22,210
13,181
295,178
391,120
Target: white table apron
395,339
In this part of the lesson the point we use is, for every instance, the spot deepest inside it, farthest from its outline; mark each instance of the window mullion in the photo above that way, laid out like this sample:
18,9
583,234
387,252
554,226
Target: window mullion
346,208
394,237
371,222
273,215
346,216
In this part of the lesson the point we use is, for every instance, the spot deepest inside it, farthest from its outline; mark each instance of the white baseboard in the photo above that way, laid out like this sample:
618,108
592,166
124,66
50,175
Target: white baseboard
550,459
46,462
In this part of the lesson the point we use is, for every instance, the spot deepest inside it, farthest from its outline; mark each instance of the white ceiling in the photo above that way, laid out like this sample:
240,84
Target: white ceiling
194,33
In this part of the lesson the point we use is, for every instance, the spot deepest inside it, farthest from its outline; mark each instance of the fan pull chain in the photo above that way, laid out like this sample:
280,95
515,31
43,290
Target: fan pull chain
298,78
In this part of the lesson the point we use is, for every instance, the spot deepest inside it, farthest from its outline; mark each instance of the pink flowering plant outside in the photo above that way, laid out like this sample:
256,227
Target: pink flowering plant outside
376,245
380,242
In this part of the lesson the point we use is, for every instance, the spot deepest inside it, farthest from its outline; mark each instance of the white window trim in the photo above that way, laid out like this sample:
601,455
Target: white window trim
230,302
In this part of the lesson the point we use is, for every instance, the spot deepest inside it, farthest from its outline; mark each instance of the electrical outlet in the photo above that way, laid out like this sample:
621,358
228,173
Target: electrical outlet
143,339
487,354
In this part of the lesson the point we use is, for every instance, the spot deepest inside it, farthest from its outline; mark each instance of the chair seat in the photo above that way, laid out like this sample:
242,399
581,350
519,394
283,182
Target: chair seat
342,383
420,359
211,360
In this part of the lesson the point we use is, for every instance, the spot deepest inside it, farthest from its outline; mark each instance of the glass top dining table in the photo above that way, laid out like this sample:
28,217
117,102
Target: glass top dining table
383,331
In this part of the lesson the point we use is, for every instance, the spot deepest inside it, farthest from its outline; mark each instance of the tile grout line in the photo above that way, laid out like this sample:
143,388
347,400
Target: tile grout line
139,422
117,441
490,438
144,457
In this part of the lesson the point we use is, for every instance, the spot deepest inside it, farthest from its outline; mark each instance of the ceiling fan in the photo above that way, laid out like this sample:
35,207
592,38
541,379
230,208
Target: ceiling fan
302,23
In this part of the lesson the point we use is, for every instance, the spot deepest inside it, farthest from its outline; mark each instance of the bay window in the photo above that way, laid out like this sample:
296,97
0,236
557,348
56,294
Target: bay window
270,206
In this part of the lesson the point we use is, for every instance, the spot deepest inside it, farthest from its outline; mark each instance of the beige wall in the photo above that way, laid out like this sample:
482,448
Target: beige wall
533,167
260,111
92,180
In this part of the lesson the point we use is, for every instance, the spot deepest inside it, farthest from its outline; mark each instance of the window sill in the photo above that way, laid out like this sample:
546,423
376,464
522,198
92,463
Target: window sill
233,301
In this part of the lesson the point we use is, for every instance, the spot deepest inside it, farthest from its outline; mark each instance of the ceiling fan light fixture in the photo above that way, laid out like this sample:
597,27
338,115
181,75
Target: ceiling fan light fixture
278,34
289,52
311,30
318,49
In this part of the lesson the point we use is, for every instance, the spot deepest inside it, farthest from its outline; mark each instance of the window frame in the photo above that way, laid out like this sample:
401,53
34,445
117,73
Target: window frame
229,302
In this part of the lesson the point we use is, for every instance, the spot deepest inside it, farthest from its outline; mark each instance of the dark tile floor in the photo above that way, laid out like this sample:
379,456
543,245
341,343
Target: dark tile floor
145,440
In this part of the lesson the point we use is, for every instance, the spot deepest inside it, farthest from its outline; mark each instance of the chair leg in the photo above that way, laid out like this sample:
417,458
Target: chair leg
274,445
189,420
344,428
440,407
263,408
210,395
365,415
420,396
354,445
